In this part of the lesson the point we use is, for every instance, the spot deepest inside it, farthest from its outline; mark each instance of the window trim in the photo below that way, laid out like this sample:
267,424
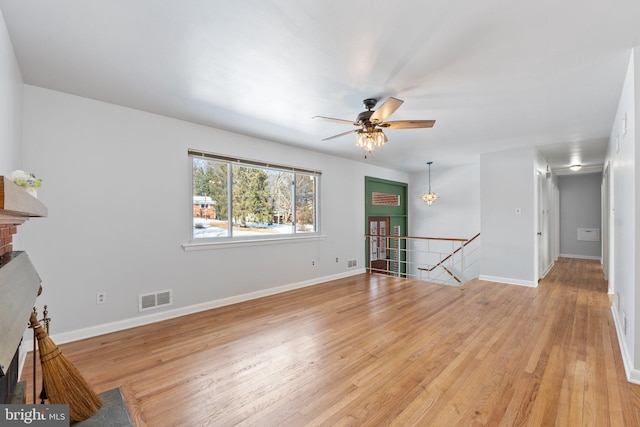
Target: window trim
249,162
238,243
204,243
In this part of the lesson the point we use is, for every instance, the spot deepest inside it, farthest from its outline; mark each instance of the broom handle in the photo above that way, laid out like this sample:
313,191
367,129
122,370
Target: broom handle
34,355
45,320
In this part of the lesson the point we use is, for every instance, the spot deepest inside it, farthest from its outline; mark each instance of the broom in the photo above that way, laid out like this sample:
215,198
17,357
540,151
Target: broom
63,382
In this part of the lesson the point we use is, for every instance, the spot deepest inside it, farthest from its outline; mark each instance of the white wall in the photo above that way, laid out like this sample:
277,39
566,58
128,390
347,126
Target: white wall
622,155
580,207
11,85
10,105
633,118
117,183
507,183
456,213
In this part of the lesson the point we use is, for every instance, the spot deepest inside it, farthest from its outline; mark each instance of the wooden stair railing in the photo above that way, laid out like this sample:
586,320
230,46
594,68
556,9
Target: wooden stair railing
449,256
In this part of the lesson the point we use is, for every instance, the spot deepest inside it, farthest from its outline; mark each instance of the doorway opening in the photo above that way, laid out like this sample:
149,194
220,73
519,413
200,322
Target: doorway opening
386,208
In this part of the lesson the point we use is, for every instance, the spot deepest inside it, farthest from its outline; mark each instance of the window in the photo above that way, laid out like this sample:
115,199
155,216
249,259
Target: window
236,199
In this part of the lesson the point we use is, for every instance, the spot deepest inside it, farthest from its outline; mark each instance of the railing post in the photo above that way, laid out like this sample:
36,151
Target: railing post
368,245
462,262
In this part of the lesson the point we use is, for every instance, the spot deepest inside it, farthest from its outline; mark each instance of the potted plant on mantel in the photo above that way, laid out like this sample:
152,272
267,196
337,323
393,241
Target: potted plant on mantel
26,180
16,205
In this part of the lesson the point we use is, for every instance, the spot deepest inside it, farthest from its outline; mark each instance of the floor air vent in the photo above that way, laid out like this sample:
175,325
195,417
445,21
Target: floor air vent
155,300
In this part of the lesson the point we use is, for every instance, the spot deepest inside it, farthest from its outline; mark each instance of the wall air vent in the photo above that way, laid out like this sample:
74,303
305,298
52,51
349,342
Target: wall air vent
155,300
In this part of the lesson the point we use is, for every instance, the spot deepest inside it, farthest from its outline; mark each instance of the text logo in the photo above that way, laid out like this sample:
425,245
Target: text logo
34,415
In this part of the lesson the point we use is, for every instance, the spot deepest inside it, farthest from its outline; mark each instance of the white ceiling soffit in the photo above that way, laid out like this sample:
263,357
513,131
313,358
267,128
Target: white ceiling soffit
495,74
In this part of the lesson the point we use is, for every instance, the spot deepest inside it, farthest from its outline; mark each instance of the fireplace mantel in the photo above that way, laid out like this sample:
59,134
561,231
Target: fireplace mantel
16,205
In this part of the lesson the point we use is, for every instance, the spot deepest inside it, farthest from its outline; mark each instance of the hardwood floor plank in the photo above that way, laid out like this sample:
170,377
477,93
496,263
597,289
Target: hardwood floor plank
373,350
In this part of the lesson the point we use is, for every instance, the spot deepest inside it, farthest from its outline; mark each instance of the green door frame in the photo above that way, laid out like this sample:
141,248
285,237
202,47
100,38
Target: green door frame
398,214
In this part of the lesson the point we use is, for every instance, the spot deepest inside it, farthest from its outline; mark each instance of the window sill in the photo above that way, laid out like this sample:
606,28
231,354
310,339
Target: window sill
205,246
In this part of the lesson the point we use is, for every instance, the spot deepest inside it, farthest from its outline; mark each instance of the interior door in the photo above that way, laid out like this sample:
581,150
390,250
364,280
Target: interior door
545,232
541,226
379,251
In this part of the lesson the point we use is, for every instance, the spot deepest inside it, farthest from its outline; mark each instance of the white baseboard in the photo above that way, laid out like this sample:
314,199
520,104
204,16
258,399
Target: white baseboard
544,273
508,281
596,258
106,328
633,375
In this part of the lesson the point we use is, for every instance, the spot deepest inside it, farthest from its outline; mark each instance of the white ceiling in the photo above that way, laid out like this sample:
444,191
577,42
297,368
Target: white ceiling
494,74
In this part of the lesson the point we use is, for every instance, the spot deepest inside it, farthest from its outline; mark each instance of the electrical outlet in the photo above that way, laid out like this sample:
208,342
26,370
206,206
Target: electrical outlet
101,298
313,262
337,260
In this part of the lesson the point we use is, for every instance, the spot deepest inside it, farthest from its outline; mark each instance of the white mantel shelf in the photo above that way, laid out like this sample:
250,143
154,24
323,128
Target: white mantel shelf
16,205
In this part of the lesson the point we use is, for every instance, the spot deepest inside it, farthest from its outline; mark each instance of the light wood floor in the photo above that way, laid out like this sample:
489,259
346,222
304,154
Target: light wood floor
374,350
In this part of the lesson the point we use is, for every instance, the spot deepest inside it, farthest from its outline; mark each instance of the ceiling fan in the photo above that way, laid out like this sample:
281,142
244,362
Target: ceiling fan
370,123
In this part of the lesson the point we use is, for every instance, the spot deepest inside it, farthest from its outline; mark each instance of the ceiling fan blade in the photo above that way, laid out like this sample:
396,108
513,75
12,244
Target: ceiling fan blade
341,134
385,110
346,122
408,124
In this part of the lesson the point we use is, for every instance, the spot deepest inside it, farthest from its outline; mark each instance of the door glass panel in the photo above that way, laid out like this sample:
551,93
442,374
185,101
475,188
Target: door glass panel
383,240
373,230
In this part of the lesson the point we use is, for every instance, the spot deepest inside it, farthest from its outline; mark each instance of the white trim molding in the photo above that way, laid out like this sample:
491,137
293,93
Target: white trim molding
633,375
120,325
597,258
508,281
238,243
545,272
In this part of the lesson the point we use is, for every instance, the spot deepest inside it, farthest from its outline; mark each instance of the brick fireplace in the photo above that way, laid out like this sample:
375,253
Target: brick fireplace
19,282
6,237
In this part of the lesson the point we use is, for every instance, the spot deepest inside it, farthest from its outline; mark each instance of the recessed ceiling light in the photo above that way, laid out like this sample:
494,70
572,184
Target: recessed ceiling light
575,167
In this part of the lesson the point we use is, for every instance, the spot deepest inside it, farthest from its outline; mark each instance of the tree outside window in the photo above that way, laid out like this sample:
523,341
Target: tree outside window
235,200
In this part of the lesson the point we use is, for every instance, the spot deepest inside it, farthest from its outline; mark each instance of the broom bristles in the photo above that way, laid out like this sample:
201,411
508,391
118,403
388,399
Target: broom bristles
62,380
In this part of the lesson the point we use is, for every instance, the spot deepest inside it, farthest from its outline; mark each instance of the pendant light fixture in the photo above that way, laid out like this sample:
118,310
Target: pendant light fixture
430,197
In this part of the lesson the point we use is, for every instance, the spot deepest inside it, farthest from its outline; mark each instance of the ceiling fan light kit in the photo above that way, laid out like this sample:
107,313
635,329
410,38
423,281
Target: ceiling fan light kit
370,140
370,123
